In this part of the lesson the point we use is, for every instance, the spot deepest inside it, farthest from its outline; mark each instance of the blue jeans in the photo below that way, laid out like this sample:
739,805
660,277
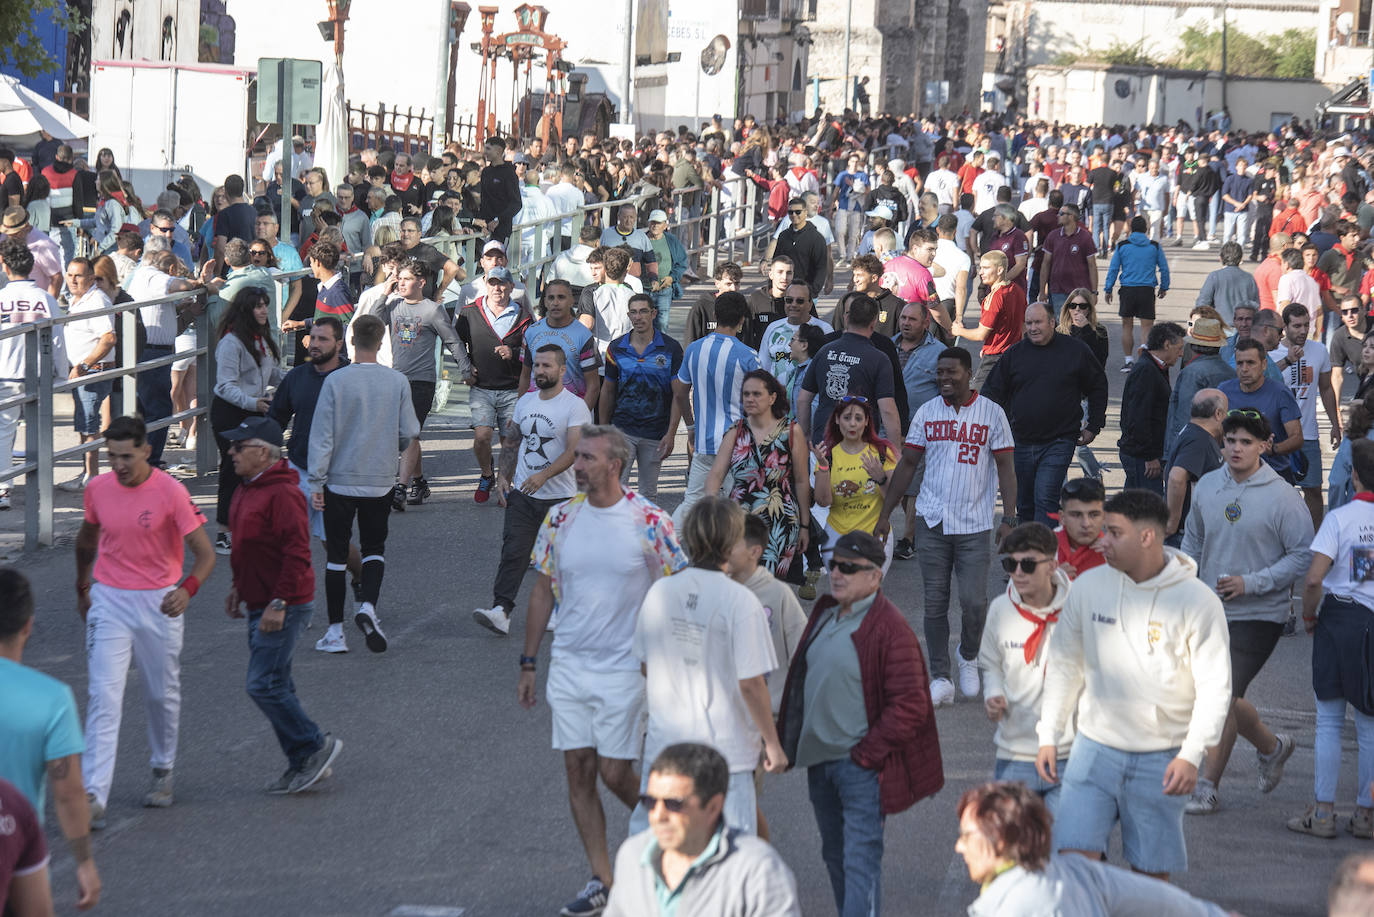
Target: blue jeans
1135,475
1102,223
968,557
846,801
1213,208
1237,224
1040,472
155,397
1025,772
663,302
271,687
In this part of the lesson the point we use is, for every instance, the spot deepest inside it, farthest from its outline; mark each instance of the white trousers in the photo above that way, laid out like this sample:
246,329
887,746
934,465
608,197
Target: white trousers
125,624
9,427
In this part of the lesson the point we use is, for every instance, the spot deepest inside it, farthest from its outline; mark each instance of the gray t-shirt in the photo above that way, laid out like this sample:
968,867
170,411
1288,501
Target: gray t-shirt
835,718
414,328
1345,349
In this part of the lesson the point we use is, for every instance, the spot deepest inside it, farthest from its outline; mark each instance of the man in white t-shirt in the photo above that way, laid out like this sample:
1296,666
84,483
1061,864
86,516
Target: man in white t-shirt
951,280
986,184
22,302
90,346
705,645
535,474
1306,368
775,347
597,555
1296,285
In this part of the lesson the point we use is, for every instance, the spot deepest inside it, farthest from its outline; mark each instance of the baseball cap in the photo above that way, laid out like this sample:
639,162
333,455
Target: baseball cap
993,156
882,210
494,245
499,274
1340,151
658,216
858,543
263,428
520,159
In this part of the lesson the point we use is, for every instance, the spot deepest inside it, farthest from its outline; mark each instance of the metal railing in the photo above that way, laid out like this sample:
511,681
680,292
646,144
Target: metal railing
41,387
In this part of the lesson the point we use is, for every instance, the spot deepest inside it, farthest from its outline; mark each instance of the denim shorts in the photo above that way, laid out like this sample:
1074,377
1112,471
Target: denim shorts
1025,772
1105,785
86,402
492,407
1312,451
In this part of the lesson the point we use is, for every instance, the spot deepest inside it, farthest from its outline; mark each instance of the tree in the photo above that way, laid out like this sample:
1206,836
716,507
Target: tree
1290,54
21,48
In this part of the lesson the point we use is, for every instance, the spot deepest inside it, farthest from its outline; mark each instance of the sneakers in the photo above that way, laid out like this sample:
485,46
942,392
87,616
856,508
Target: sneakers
419,492
332,641
942,692
494,619
1271,767
1201,245
968,676
1314,823
282,785
1361,823
1204,801
591,900
367,622
905,550
97,813
159,795
1178,241
316,767
1126,366
224,543
484,485
75,485
398,498
807,590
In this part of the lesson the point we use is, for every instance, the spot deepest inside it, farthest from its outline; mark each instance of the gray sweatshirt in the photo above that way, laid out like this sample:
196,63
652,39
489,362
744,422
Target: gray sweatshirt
1077,886
414,328
1258,529
363,420
240,378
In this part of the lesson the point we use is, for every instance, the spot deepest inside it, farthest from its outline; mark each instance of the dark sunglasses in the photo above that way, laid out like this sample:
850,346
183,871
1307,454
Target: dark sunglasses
800,300
1351,311
853,399
259,251
1079,305
1027,564
848,567
651,802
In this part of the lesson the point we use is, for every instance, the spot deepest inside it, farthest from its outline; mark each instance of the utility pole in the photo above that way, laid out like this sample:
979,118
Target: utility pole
627,84
1223,56
848,15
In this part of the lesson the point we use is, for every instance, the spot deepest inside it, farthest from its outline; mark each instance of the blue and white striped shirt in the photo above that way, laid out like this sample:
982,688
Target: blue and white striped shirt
715,366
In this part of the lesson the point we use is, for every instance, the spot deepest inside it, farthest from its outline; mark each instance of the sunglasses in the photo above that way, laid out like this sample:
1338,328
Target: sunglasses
259,251
796,212
1027,564
1246,412
1351,311
651,802
853,399
799,300
1080,306
849,568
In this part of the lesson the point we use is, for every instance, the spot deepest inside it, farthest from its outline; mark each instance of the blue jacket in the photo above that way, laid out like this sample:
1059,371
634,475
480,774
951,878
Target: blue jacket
679,265
1137,260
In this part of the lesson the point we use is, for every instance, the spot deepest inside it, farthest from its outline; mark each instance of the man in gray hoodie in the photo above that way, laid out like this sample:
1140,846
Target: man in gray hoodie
1249,532
363,420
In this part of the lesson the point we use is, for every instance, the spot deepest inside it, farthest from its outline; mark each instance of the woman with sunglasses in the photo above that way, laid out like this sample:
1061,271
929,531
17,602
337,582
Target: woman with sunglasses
248,367
1078,319
853,467
762,461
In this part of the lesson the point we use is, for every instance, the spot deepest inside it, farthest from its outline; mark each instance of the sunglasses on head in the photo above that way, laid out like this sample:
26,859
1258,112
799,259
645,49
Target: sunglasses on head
1246,412
1027,564
853,399
849,567
651,802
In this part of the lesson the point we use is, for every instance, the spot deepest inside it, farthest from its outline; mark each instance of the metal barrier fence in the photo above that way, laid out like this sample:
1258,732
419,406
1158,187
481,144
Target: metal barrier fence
41,387
713,223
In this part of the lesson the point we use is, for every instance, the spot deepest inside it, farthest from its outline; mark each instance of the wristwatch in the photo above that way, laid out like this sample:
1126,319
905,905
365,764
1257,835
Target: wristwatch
82,368
528,662
277,603
1012,521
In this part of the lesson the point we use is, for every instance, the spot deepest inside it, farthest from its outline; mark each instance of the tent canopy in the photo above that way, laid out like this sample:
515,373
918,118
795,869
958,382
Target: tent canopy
23,113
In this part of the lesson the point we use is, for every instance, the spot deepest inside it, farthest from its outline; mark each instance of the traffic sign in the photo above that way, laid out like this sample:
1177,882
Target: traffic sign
302,79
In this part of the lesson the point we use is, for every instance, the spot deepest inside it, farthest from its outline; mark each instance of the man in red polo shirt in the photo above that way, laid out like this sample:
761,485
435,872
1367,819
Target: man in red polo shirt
1013,243
1003,318
1271,269
1080,526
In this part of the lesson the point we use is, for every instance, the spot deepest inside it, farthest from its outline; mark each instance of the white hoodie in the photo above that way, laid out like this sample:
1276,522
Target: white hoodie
1002,658
1151,662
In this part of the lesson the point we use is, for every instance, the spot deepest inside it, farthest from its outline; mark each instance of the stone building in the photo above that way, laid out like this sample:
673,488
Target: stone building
901,45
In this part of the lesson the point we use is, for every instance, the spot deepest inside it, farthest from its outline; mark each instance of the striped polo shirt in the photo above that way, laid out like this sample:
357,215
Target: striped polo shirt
715,366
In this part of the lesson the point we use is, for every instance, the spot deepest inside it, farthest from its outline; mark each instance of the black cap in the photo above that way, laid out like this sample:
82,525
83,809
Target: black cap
263,428
861,544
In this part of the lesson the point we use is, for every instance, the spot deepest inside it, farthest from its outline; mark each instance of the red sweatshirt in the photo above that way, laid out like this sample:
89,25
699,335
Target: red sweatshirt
271,528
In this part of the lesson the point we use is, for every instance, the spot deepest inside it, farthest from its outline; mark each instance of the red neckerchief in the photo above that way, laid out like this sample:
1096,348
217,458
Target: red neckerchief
119,196
1349,255
402,182
1364,496
1033,641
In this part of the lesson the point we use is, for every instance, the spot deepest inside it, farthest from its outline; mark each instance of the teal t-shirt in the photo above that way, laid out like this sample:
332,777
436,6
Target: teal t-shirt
38,724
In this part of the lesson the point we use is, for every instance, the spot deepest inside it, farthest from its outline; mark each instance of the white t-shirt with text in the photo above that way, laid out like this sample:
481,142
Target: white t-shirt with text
543,425
1302,378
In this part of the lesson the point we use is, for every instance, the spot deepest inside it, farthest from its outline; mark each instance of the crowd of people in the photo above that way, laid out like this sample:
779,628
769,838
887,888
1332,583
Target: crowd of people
1113,657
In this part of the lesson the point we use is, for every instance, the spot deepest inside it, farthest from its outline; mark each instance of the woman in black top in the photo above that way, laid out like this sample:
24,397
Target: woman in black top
1079,320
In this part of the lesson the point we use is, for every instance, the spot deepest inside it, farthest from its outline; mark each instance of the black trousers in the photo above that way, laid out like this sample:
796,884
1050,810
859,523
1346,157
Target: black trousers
225,416
373,514
524,515
1264,218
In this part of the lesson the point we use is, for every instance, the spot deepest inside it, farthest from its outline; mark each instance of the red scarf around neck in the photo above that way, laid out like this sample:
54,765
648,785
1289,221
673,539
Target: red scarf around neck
1041,625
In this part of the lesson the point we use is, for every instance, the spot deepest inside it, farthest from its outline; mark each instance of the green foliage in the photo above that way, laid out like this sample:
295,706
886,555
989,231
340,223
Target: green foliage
1289,54
1297,53
20,47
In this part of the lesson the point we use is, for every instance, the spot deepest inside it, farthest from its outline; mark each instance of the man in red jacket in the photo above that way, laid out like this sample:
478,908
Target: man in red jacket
274,579
856,713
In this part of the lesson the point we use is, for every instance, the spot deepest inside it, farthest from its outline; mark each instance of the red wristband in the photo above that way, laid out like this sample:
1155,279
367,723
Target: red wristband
191,585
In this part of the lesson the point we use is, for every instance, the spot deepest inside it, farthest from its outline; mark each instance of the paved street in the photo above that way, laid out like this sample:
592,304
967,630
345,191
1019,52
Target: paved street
447,795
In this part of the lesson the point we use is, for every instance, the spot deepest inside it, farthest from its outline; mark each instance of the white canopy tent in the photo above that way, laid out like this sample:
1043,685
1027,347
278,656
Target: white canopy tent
23,113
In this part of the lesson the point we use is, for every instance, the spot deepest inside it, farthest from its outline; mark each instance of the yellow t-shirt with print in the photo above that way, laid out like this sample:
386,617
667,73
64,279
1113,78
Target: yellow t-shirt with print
855,498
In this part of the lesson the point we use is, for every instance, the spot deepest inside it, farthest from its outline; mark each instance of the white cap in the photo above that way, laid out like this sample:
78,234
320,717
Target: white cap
658,216
1340,151
495,245
881,210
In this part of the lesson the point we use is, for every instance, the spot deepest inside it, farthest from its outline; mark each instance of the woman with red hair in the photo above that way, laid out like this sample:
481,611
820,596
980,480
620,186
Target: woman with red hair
852,470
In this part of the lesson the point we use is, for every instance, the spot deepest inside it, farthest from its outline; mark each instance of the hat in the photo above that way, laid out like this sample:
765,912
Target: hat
1340,151
263,428
520,159
15,219
881,210
858,543
1206,333
500,275
494,245
994,155
658,216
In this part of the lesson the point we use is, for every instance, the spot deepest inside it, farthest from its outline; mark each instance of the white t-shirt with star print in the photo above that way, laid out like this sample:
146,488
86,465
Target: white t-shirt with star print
544,425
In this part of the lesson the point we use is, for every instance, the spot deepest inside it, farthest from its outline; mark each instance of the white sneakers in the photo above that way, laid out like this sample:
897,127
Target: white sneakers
969,685
333,640
494,619
942,692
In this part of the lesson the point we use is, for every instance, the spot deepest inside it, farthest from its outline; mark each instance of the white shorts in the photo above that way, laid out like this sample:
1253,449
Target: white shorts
601,710
185,341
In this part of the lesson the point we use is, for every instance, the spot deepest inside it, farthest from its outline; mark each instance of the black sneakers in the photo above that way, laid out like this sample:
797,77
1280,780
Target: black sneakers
419,492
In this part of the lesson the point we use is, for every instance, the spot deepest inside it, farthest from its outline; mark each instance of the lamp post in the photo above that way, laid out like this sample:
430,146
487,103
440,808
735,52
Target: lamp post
338,15
1223,57
848,17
